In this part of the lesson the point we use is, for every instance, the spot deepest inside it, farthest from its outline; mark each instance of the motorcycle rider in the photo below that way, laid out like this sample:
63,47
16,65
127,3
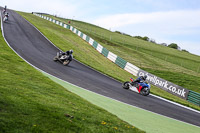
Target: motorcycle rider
69,54
140,79
6,17
6,14
4,9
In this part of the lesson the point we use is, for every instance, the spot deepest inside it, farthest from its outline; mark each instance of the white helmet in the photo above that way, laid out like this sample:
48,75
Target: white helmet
71,51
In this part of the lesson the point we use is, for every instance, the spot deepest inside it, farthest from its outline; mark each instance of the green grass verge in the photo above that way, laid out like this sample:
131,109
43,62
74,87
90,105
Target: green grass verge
145,120
31,102
65,40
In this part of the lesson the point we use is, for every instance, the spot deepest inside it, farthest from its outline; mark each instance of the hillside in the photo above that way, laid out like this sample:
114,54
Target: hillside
31,102
176,66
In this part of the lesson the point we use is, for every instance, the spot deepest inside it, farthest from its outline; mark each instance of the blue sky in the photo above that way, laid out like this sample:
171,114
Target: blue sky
165,21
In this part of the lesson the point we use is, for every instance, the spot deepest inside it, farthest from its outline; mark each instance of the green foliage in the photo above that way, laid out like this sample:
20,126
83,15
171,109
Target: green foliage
185,50
142,38
118,32
122,33
126,34
173,45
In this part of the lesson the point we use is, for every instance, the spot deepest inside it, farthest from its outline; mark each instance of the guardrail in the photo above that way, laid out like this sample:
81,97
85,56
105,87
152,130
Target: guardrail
194,97
174,89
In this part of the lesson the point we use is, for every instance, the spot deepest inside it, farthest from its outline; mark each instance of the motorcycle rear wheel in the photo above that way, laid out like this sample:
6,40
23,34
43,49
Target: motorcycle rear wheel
125,85
65,63
55,58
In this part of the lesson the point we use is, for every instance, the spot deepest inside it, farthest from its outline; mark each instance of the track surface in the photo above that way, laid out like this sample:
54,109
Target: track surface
34,48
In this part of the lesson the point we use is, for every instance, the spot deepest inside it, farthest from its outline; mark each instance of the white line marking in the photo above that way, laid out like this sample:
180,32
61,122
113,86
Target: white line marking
175,103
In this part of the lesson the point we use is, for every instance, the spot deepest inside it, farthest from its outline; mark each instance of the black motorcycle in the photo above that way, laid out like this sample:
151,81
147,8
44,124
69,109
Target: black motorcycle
5,19
63,58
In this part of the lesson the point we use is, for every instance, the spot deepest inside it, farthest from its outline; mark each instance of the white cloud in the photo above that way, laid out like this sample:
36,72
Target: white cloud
56,7
174,19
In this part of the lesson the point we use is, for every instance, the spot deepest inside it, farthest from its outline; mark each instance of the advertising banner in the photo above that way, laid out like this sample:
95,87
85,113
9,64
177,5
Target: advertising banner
165,85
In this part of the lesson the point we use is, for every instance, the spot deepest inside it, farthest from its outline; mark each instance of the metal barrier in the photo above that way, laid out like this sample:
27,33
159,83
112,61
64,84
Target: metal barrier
194,97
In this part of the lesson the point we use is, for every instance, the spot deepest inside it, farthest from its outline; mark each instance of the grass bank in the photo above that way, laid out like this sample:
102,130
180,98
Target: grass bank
65,39
31,102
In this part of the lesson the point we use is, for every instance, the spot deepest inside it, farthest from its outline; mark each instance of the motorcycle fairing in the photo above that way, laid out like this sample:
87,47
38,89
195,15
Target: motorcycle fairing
133,88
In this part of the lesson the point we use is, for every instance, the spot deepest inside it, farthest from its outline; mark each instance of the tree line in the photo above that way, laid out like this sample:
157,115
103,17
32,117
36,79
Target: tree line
145,38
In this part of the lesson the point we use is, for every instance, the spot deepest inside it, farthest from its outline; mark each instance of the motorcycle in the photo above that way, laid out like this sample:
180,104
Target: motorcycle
5,19
4,11
142,88
64,59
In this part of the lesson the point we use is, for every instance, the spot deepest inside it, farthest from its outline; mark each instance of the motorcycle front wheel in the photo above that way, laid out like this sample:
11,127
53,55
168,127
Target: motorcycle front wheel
145,91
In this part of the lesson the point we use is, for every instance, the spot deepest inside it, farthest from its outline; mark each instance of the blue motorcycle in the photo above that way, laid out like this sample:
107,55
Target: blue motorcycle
142,88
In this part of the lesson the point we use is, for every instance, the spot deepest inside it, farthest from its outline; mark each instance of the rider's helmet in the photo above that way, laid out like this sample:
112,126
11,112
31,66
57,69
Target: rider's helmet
71,51
144,77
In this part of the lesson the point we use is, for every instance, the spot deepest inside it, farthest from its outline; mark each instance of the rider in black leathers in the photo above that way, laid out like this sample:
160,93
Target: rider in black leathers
6,14
69,54
140,79
4,9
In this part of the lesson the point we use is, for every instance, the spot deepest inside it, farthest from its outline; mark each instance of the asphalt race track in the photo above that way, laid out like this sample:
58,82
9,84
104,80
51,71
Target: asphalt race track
37,50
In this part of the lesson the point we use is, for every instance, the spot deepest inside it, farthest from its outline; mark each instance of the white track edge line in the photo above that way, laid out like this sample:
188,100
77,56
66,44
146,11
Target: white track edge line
175,103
